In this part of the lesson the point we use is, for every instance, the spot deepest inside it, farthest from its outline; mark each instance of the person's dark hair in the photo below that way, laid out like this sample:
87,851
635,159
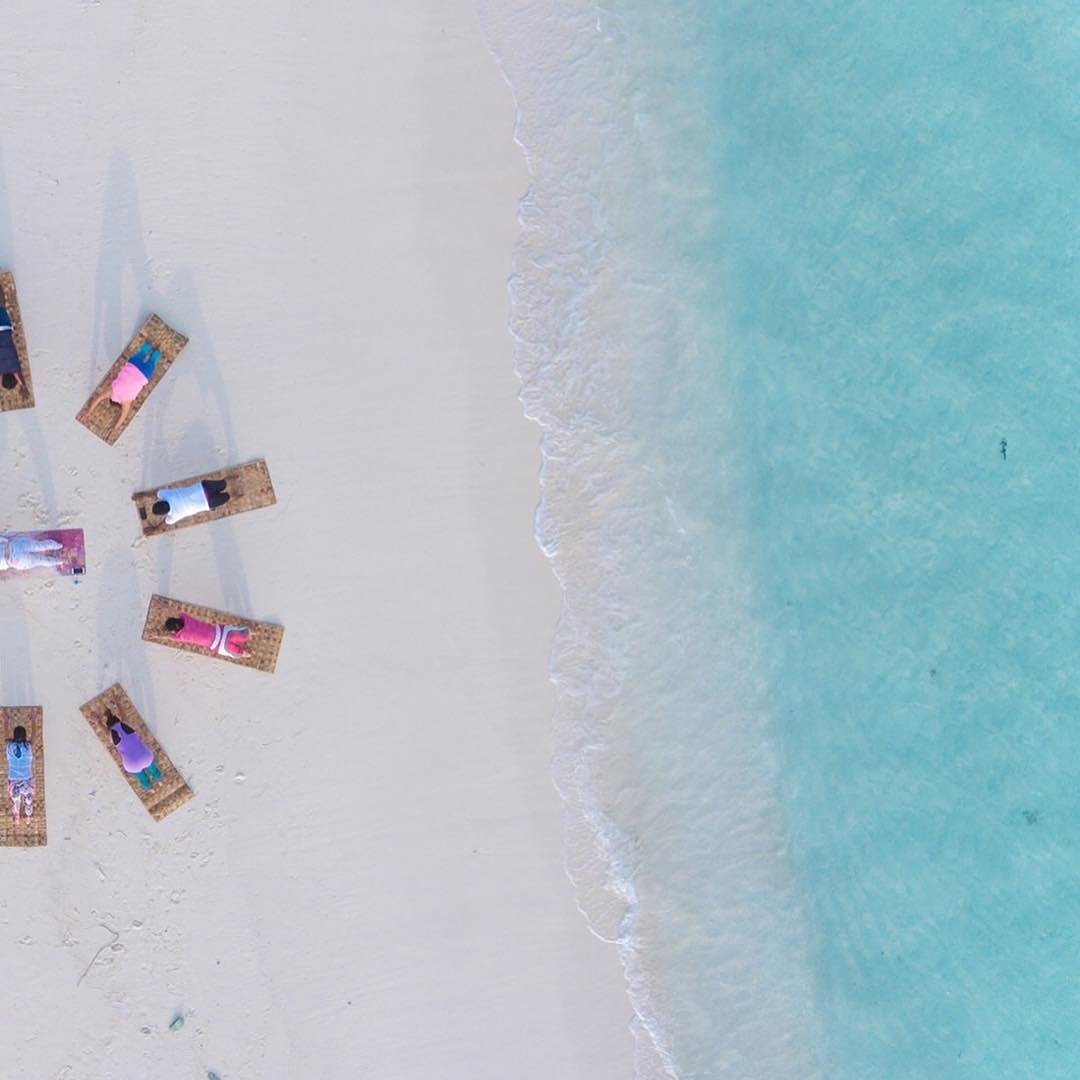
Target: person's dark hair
110,718
19,734
7,380
173,623
3,298
161,508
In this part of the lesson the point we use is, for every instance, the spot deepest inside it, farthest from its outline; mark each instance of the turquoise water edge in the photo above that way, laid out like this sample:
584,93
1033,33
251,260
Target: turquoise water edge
795,304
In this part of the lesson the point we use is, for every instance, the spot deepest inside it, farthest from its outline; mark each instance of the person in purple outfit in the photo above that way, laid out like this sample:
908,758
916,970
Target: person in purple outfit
137,757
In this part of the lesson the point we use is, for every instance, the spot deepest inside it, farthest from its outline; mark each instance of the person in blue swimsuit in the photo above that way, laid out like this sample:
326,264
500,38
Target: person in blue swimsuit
20,763
10,367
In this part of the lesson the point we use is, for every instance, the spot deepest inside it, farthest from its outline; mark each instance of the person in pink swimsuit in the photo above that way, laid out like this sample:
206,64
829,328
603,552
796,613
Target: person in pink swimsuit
214,637
130,380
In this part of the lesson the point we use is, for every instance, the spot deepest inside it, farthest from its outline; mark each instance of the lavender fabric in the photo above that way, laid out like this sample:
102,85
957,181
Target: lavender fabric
135,754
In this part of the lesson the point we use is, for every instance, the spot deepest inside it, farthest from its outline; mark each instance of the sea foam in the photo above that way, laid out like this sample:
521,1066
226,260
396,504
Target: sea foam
664,752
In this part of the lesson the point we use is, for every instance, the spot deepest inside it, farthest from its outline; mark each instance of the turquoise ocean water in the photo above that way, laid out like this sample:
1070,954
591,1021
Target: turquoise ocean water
796,307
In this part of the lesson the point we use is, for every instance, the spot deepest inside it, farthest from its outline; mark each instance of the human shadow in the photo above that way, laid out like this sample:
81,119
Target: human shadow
16,674
210,441
26,418
39,454
119,620
206,367
121,252
228,556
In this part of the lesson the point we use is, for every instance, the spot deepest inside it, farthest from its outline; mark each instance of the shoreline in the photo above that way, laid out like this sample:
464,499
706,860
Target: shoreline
685,868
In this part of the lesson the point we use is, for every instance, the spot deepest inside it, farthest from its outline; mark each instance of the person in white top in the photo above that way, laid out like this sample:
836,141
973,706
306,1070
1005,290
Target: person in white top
175,504
28,553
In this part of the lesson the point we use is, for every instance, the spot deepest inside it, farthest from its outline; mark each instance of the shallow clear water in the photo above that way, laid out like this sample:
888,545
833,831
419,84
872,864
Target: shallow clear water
795,302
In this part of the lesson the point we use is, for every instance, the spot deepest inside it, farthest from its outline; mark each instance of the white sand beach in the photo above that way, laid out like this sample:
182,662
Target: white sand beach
369,881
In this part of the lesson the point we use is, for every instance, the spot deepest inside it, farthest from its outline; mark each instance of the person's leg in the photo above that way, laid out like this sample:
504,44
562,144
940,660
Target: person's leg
12,794
154,771
28,802
33,562
42,545
215,493
125,408
27,554
144,779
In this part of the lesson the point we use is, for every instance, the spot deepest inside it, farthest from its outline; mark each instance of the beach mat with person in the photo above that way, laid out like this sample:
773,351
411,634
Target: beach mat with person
129,382
22,822
61,551
150,773
202,498
209,632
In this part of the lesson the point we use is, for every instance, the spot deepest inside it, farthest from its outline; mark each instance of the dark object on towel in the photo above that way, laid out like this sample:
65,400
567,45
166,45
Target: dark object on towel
9,355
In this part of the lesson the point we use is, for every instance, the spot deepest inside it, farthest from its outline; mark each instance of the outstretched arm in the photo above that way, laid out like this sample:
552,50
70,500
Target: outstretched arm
125,408
97,401
151,526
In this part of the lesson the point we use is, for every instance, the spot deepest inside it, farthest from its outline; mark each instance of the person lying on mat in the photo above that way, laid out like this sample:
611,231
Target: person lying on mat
20,766
137,757
175,504
130,380
10,368
214,637
28,553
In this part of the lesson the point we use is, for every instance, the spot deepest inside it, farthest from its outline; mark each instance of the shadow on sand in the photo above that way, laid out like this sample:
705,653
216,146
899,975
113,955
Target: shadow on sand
123,253
27,419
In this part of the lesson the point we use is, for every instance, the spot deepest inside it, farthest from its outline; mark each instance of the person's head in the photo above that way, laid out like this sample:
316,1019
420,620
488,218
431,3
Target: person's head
173,623
161,508
110,718
8,381
19,734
